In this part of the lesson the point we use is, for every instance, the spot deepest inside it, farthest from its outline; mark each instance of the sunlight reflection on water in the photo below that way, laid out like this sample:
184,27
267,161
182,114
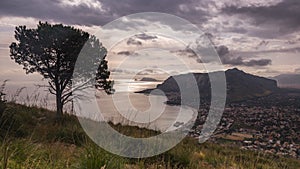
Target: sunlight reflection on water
142,110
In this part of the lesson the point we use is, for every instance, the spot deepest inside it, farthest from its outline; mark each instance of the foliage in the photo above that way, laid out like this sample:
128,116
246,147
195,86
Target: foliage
52,51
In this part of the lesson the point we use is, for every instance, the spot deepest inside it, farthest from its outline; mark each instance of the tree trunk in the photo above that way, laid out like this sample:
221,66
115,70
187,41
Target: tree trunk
59,105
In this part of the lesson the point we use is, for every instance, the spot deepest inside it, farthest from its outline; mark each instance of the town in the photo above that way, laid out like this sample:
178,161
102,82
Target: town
269,124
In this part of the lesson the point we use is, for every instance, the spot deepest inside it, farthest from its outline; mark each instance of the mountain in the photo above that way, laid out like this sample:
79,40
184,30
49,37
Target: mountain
240,86
288,80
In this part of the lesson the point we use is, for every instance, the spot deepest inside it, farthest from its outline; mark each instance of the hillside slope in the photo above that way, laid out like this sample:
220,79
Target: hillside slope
30,138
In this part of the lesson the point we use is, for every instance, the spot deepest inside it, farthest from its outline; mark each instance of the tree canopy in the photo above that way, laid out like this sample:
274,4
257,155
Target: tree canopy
52,51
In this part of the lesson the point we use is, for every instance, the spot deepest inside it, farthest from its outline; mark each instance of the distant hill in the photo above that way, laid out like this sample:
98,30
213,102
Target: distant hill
288,80
240,86
149,79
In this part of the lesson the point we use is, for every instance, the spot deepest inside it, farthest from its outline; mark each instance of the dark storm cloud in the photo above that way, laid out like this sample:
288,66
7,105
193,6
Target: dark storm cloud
144,36
185,52
285,15
226,57
135,40
83,14
208,53
182,8
127,53
259,62
132,41
53,10
239,61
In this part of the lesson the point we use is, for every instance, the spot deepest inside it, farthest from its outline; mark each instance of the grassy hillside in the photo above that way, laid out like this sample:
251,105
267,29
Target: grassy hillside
31,138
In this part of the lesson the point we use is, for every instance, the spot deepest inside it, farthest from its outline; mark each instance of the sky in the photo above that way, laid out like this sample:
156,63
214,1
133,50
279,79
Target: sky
261,37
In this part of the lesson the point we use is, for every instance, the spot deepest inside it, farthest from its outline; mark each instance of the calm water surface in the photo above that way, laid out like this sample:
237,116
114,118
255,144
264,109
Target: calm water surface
149,111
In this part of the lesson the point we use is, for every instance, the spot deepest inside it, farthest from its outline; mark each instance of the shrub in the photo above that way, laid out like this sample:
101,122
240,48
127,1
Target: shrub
2,99
2,108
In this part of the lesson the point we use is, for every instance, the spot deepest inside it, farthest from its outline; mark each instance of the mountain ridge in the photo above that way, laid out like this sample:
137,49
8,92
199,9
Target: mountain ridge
240,86
288,80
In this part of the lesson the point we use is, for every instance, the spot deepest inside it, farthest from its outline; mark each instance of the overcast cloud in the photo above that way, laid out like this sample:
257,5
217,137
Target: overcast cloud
283,16
247,33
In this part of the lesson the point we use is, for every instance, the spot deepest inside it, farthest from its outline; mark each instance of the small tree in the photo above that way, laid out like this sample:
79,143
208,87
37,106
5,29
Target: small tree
52,51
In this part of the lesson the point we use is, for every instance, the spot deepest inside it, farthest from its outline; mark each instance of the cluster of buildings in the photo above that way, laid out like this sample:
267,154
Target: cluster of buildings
270,124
